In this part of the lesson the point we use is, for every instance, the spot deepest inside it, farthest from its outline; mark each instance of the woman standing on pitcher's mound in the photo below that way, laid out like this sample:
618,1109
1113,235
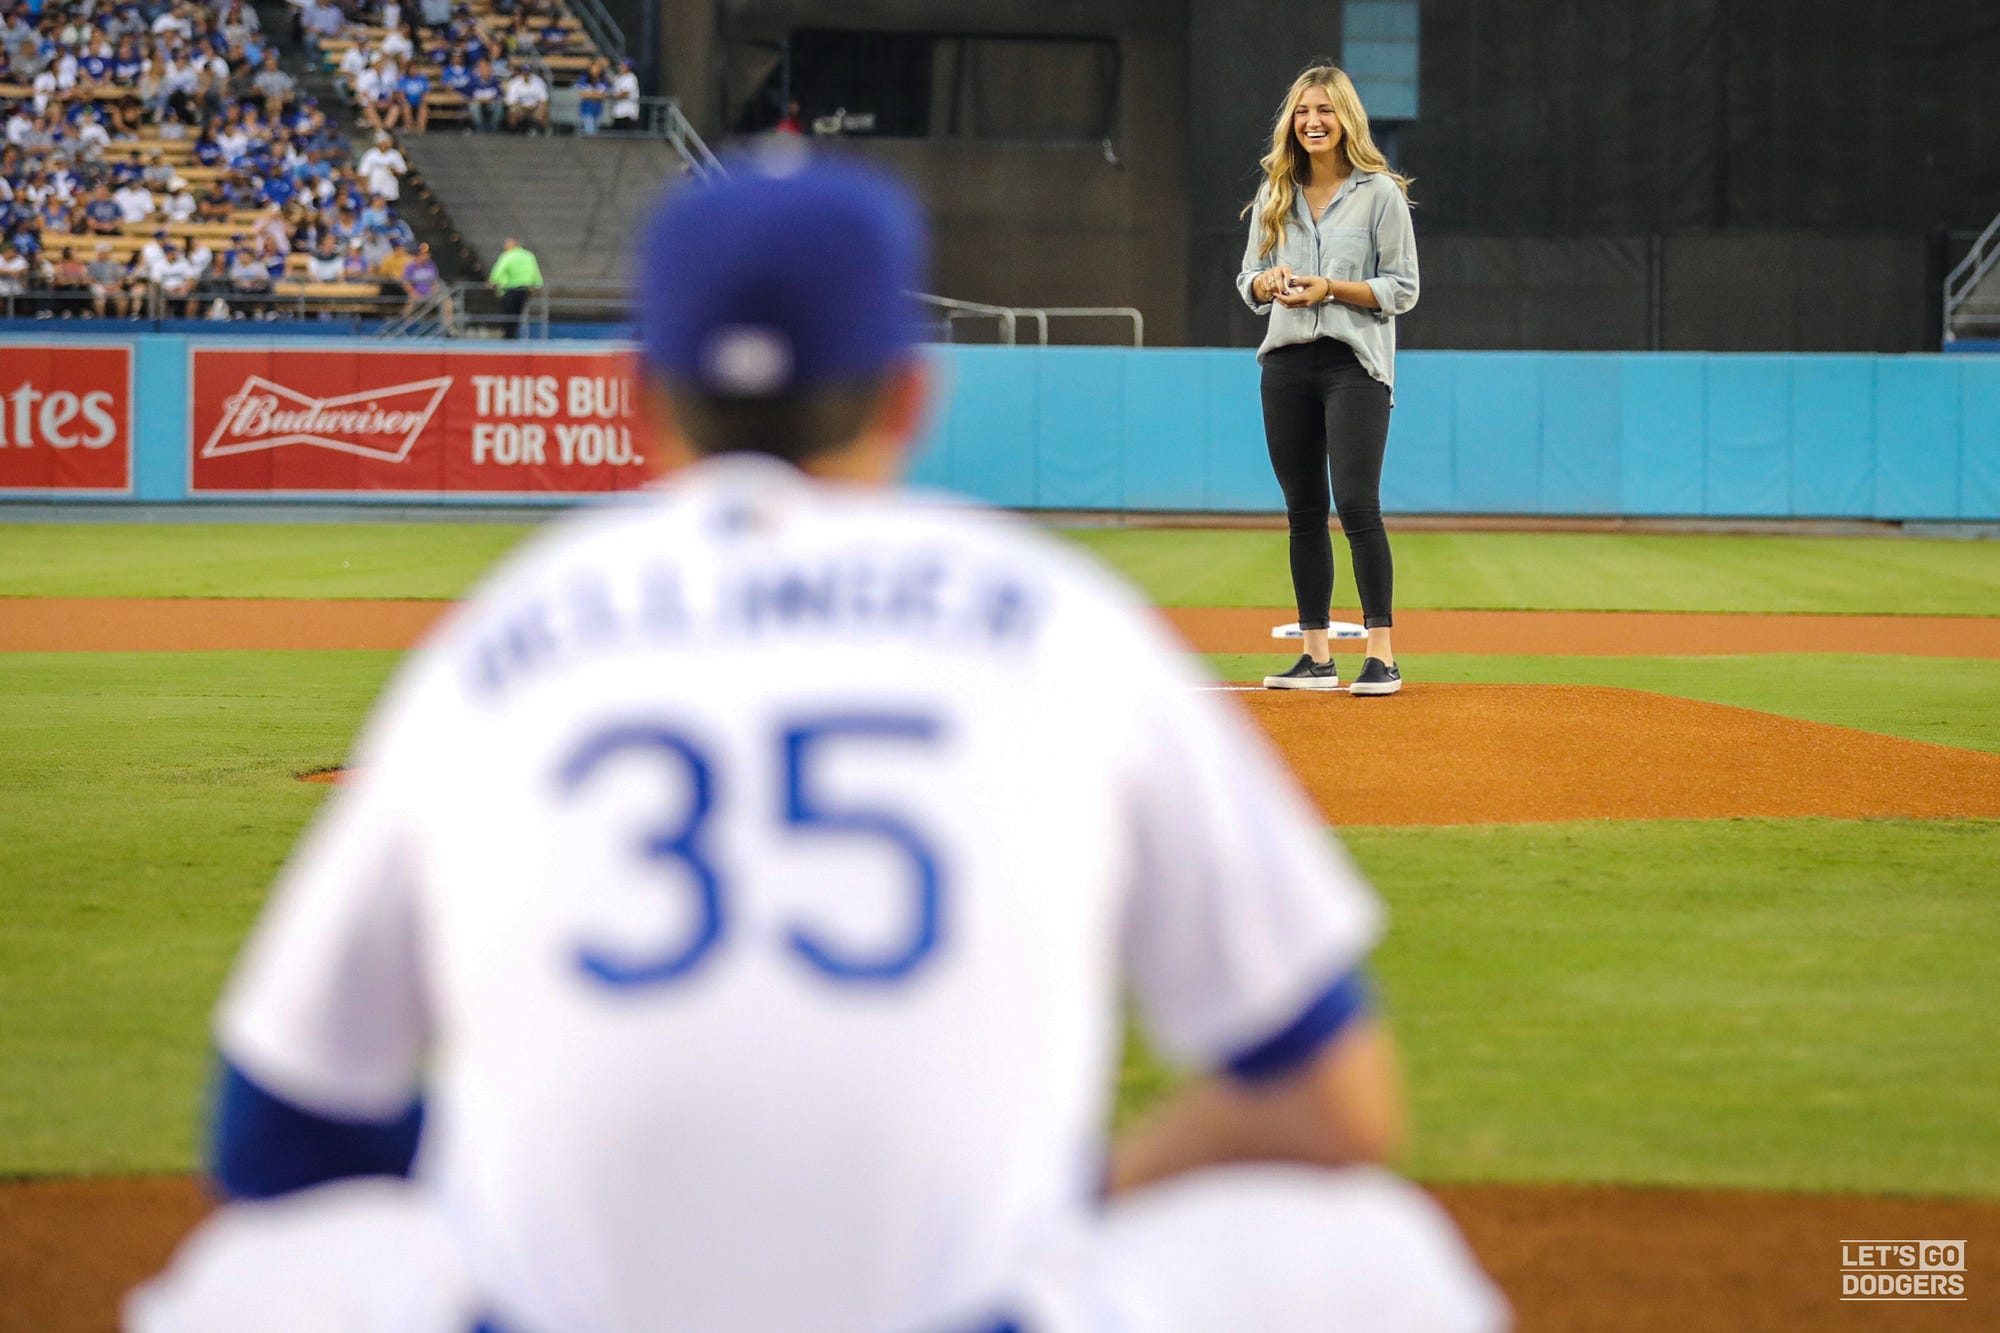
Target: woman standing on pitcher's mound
1333,261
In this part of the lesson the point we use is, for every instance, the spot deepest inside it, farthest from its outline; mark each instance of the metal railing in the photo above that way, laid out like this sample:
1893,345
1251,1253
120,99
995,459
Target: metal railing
1004,317
662,118
1008,319
680,132
471,310
432,317
1964,307
600,27
145,302
1118,312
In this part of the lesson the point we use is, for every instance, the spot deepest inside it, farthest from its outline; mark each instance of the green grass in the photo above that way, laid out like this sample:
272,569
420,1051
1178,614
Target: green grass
1943,700
1784,1004
1176,567
1796,1004
148,798
1581,571
389,560
1790,1004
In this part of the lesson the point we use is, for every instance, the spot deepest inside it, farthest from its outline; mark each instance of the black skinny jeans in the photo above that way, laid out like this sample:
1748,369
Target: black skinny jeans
1324,415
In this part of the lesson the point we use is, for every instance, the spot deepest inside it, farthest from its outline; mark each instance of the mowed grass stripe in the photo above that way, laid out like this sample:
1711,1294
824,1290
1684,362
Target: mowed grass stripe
1174,567
319,560
1785,1004
148,801
1758,1003
1580,571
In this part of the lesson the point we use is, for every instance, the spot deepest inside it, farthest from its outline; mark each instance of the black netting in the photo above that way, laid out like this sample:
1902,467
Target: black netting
1604,115
1554,293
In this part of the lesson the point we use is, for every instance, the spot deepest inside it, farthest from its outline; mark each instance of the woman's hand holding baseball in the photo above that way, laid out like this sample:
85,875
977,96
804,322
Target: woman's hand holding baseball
1272,283
1300,292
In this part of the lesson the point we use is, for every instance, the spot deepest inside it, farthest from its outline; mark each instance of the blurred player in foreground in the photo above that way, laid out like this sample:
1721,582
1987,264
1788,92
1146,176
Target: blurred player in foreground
741,890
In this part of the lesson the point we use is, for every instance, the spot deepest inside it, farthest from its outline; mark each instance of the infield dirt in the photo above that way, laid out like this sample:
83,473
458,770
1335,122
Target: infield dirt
139,624
1572,1258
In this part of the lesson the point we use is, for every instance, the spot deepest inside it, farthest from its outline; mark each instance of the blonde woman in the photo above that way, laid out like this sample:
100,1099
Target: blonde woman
1332,261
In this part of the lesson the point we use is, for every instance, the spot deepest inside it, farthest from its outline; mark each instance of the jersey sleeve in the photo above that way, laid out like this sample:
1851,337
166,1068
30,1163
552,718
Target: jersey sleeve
1247,925
327,1008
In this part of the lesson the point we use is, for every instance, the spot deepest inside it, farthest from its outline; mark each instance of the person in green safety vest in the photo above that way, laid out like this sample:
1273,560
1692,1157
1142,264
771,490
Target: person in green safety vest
516,277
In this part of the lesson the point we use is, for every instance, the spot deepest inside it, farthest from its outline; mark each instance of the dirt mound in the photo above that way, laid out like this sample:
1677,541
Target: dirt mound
1491,754
1529,754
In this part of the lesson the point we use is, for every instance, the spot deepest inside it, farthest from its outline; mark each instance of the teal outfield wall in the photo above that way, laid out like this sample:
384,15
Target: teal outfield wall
1873,437
1882,437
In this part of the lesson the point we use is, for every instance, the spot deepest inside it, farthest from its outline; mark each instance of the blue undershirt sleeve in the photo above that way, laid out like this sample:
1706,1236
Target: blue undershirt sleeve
261,1146
1294,1045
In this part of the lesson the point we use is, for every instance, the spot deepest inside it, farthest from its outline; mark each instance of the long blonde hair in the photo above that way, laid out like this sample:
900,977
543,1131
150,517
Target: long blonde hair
1284,166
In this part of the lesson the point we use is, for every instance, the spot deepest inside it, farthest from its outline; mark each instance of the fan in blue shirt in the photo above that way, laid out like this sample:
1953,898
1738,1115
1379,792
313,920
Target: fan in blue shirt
455,75
93,68
415,87
278,190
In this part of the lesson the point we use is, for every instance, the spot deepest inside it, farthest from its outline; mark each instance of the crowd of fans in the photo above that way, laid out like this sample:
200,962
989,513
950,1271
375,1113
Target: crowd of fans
91,89
401,65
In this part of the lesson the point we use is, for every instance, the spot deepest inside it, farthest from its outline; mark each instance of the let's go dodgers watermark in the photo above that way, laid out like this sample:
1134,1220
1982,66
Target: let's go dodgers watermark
1902,1270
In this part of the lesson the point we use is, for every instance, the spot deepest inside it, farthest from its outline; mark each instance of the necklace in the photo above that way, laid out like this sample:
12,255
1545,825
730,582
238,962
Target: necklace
1319,198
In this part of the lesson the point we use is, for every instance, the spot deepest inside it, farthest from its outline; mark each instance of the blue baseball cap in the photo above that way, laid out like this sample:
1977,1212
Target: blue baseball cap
791,272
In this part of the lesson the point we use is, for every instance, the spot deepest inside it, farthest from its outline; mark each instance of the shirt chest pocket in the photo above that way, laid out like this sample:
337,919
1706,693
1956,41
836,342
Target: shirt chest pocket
1346,253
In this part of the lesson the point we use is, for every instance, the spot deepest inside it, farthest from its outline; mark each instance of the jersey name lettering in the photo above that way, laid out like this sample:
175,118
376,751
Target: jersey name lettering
861,595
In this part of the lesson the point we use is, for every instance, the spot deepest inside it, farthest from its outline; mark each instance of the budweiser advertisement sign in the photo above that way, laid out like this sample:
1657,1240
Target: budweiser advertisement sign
417,423
65,417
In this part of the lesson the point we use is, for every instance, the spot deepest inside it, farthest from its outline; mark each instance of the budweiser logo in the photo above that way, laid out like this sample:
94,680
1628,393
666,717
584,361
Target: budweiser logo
374,423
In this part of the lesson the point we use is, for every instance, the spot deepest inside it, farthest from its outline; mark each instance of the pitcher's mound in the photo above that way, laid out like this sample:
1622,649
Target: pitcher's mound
1499,754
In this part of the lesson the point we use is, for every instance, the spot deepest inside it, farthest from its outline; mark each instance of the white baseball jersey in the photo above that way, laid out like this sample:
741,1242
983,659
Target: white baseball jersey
750,876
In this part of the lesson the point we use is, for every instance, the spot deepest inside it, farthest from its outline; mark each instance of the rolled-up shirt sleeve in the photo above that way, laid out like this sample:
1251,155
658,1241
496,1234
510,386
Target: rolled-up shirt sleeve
1253,262
1395,280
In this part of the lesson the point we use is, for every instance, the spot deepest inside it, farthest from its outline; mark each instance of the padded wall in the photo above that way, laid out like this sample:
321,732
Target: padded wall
1179,429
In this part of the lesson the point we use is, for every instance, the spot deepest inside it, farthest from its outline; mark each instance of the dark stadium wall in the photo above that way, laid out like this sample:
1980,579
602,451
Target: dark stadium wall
1653,115
1613,174
1767,175
1048,222
1244,55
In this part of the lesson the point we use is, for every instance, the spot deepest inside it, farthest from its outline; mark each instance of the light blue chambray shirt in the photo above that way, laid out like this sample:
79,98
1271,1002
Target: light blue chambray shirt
1364,235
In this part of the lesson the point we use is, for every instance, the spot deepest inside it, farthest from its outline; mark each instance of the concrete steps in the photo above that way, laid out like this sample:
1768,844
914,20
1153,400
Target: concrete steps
572,201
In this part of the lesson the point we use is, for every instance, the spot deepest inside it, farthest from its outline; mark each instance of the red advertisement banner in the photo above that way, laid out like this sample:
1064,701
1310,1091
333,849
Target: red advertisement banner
422,423
65,417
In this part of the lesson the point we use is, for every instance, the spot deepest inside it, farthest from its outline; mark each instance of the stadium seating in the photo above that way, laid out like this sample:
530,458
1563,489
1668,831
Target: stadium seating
54,64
